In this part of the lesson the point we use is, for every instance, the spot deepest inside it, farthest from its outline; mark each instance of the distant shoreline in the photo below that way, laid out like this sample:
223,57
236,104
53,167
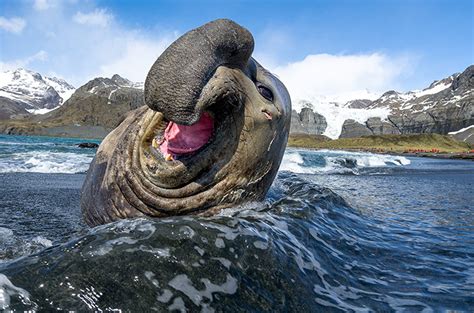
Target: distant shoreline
316,143
413,145
445,156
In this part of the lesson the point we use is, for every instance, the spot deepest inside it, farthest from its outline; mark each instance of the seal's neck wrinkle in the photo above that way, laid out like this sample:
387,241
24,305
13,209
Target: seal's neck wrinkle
182,139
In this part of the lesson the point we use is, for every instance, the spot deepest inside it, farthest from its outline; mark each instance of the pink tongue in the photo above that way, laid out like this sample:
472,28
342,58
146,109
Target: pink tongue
181,139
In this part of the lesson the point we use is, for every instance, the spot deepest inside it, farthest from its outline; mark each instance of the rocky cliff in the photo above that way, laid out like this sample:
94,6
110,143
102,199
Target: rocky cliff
307,122
444,107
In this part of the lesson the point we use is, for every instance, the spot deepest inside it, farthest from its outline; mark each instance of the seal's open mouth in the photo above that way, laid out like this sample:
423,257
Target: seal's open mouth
180,140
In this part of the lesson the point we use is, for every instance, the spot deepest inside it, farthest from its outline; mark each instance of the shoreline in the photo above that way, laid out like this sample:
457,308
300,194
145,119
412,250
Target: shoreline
440,155
444,156
425,154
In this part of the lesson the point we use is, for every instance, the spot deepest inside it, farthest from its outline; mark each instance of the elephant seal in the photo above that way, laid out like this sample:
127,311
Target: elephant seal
212,133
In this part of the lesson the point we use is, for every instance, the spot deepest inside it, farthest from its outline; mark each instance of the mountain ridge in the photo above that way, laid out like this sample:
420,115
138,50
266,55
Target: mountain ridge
27,92
93,110
445,106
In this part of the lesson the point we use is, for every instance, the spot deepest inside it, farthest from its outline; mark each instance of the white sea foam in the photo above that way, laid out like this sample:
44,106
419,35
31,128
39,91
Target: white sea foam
7,290
6,234
40,240
338,162
367,159
45,162
293,162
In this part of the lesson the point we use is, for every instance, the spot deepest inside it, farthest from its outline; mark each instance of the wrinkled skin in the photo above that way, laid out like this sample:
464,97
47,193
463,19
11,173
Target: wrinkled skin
208,69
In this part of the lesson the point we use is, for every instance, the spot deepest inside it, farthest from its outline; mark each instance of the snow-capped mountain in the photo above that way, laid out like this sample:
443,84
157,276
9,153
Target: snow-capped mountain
109,86
30,91
418,100
444,107
93,110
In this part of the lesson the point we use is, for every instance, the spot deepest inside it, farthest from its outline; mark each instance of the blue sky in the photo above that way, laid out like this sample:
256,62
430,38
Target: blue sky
320,47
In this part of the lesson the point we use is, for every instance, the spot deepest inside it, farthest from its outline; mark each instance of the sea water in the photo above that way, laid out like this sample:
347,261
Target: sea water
338,231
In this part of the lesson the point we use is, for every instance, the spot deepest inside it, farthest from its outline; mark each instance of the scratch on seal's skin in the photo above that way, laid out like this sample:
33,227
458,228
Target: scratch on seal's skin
271,142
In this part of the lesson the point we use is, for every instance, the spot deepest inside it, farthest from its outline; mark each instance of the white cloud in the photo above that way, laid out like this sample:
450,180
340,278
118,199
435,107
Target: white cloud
138,55
342,77
25,62
42,5
78,53
98,17
329,81
13,25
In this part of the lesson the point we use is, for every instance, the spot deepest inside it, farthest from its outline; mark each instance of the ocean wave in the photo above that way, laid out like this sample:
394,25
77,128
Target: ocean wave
305,250
337,162
13,143
13,246
45,162
7,290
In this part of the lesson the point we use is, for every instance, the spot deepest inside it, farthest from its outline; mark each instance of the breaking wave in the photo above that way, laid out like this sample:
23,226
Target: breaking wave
337,162
45,162
61,155
43,155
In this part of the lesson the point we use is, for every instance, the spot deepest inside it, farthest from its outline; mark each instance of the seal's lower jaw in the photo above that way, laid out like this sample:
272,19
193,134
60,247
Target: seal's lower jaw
176,156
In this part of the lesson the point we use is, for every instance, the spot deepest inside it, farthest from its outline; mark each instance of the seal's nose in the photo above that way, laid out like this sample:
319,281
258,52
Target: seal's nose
176,80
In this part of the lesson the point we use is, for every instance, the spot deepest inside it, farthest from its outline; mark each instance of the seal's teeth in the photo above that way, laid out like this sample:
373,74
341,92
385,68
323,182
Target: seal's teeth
169,157
154,143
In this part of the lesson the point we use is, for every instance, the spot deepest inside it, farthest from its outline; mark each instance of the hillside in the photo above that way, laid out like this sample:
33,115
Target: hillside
92,111
391,143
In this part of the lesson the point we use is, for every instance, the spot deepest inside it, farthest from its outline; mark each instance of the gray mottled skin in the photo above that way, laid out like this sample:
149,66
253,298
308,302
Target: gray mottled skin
207,69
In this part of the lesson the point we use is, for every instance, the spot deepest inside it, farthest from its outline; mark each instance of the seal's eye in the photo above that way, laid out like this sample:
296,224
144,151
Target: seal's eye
265,92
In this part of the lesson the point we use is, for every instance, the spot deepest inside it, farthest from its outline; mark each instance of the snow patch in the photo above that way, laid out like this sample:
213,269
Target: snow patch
110,95
336,114
431,91
461,130
40,111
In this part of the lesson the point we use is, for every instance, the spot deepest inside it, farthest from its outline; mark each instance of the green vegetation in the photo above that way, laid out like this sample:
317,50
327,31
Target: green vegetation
386,143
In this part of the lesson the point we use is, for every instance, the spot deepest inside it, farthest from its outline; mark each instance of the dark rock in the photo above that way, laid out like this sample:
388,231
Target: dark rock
467,135
358,104
10,109
119,80
50,100
379,127
351,129
91,145
307,122
465,80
